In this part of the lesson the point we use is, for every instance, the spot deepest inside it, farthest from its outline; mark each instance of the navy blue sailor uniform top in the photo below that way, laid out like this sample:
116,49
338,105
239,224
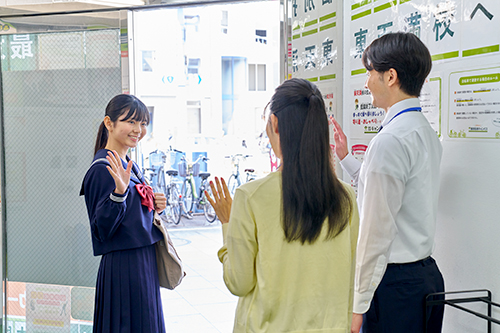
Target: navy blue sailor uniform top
117,221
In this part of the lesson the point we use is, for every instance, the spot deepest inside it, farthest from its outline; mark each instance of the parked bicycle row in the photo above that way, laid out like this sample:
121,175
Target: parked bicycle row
184,192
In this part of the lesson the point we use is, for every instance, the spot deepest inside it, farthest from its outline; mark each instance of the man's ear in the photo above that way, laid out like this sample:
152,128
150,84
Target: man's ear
274,123
392,77
108,123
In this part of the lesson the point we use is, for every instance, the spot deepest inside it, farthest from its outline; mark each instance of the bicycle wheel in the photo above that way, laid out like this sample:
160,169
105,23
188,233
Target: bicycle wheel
232,184
162,186
208,210
173,202
187,196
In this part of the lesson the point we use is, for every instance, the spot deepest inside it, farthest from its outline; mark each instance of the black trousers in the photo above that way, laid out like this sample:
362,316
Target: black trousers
398,305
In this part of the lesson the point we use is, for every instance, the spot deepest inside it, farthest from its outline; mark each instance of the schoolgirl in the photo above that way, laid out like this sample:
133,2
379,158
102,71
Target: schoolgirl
120,208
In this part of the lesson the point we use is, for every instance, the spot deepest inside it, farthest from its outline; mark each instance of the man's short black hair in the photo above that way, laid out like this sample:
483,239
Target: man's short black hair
406,54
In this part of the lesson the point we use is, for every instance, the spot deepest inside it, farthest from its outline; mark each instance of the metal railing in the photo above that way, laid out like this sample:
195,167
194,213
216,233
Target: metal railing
453,302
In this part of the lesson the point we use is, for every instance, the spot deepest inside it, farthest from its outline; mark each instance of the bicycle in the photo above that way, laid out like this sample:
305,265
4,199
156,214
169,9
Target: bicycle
156,175
235,179
172,194
188,194
156,160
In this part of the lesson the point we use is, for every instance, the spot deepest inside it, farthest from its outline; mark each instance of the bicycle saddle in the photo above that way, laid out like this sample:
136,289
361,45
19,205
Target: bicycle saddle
172,172
249,170
204,175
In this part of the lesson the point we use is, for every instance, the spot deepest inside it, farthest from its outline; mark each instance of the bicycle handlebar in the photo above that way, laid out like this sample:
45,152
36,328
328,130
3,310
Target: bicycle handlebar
201,157
237,155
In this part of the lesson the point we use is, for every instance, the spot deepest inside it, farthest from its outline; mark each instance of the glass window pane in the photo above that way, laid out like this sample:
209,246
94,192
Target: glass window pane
251,77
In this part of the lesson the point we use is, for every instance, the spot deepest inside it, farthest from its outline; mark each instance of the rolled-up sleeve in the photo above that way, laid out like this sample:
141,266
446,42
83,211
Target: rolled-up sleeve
239,251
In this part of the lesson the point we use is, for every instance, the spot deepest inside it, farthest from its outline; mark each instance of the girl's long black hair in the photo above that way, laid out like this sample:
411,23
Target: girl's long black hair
117,106
311,191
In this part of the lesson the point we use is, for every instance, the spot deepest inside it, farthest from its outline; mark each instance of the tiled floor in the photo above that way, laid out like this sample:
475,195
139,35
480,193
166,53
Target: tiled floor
202,302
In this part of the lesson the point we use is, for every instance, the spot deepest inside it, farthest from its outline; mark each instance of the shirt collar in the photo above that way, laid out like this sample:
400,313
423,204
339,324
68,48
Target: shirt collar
400,106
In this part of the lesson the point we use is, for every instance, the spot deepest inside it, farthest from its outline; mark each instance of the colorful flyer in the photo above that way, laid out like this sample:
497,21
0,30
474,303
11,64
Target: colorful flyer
364,118
48,308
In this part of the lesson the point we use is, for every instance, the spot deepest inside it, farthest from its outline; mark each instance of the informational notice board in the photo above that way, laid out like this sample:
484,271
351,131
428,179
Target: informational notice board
461,96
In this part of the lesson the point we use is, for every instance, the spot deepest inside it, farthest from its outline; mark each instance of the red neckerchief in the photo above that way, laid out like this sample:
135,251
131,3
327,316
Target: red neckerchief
147,195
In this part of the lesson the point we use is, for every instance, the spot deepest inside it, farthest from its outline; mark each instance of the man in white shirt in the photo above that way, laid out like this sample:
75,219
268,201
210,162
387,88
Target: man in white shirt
398,187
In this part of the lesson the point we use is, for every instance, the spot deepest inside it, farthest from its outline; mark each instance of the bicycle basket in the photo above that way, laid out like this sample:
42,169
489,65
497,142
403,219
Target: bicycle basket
156,159
196,169
182,168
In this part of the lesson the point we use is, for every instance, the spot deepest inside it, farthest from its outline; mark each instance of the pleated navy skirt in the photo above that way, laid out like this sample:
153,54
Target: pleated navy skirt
128,293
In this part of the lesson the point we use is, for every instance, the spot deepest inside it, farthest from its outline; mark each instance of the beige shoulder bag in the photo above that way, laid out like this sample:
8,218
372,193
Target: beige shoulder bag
170,271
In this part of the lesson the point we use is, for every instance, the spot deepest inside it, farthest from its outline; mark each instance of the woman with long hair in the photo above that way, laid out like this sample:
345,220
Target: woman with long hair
290,238
120,207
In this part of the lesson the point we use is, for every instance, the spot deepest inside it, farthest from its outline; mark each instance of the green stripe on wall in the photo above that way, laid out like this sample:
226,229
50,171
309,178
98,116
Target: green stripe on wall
312,79
481,50
385,6
327,77
447,55
360,4
310,32
403,1
89,27
360,15
358,71
296,36
313,22
329,16
328,26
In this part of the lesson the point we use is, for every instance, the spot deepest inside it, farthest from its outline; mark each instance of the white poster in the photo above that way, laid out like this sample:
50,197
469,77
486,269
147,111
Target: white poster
474,105
430,101
358,150
329,93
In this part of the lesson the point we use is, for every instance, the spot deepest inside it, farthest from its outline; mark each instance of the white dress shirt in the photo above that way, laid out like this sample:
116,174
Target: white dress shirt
398,188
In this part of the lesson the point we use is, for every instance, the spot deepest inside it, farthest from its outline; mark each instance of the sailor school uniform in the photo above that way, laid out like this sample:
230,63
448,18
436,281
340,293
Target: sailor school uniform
127,290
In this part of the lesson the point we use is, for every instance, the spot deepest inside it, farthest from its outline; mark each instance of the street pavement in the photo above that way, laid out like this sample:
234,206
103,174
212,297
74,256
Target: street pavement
201,303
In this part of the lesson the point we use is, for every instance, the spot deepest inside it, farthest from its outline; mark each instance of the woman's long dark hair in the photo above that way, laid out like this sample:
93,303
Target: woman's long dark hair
311,191
117,106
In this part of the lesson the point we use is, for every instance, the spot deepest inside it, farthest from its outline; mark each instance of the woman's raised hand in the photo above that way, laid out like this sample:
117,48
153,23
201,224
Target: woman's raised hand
222,200
119,174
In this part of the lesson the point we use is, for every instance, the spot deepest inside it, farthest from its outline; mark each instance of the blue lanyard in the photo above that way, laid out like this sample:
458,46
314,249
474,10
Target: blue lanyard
419,109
